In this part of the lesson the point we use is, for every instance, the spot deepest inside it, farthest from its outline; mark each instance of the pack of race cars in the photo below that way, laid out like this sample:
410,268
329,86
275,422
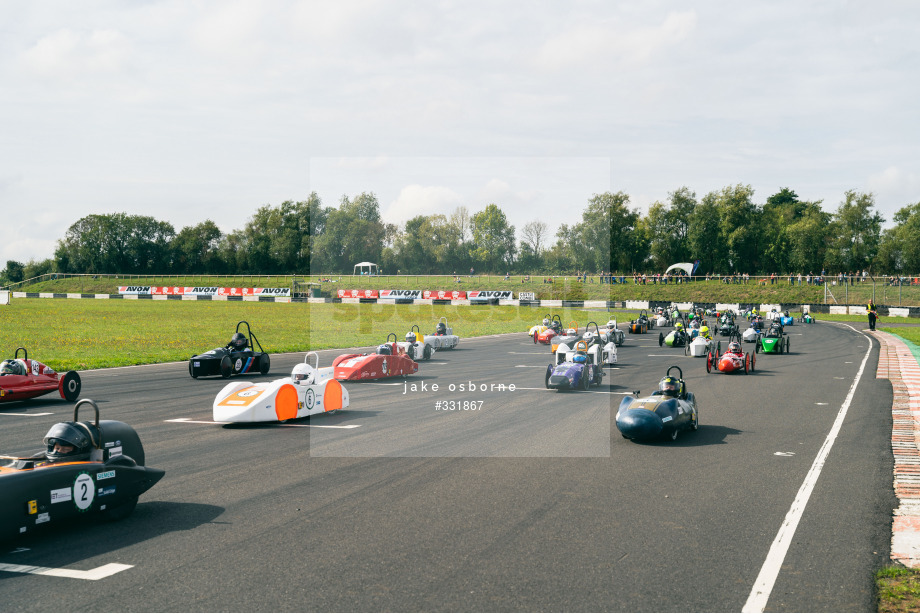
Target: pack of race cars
99,466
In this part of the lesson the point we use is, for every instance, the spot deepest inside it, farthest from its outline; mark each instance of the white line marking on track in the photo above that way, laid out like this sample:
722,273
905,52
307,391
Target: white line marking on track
590,391
93,574
311,426
784,454
44,413
763,586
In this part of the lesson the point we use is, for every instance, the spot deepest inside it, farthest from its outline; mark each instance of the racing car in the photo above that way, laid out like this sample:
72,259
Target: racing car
664,413
602,349
539,328
785,319
701,344
569,337
677,338
734,359
553,328
576,368
87,469
416,346
309,390
755,330
727,325
641,324
774,341
388,361
807,318
25,378
237,357
661,317
443,337
613,333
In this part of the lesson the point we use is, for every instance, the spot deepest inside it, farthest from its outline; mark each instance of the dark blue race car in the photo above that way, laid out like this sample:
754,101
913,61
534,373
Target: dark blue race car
663,414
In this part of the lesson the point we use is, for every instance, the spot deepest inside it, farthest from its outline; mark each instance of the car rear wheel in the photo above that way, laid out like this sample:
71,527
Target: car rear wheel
265,364
747,362
709,362
226,367
549,371
535,337
757,347
660,339
191,370
71,386
585,380
787,345
695,421
753,361
426,353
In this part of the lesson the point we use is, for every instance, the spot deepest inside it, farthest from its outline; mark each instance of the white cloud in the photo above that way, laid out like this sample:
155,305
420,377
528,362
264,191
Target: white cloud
70,54
416,200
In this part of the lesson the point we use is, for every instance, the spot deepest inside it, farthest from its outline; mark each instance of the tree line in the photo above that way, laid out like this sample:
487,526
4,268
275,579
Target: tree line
725,229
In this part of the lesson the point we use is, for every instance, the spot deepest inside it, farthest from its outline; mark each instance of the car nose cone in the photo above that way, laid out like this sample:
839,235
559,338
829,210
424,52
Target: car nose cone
639,424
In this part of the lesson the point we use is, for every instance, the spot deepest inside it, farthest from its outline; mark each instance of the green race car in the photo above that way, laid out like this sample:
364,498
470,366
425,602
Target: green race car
775,341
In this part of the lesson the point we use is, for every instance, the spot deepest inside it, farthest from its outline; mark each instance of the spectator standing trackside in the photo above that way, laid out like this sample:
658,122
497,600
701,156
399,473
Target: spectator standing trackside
873,313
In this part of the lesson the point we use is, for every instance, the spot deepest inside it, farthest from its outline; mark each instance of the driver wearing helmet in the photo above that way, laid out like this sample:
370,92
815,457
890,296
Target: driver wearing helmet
546,322
67,442
704,332
441,329
384,349
238,342
12,367
734,347
411,337
669,386
580,357
302,374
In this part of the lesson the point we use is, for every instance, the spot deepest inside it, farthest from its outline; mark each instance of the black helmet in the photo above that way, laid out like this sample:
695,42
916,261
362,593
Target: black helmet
669,386
74,434
441,329
12,367
238,341
384,349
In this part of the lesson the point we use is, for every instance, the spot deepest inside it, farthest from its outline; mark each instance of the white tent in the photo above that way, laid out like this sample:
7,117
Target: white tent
366,268
686,267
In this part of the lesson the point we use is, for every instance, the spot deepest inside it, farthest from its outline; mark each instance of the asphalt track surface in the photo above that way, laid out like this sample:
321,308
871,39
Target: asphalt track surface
532,503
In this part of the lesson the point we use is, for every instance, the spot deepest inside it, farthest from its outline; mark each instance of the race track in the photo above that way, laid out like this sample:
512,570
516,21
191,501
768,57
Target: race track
532,502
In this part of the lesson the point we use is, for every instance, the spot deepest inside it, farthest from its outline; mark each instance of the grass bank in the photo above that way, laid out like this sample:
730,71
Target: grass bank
93,334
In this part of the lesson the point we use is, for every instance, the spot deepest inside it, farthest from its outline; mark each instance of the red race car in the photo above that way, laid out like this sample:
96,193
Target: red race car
22,378
546,335
389,361
734,359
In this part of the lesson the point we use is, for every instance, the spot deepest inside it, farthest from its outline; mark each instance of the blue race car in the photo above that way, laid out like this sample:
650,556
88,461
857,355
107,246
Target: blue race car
664,413
576,368
786,319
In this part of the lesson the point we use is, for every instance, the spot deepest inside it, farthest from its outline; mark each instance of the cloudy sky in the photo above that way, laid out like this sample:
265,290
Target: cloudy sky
188,110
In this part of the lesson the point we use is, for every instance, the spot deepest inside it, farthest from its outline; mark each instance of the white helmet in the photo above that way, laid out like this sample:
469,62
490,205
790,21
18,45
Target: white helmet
302,374
410,337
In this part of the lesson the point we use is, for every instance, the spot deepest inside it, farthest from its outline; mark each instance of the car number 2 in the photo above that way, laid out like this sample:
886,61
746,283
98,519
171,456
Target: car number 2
84,491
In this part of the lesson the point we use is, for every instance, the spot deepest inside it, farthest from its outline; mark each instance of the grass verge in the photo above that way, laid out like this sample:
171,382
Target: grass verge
898,589
91,334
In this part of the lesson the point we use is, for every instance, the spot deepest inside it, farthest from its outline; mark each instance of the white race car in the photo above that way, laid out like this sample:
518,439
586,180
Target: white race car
601,349
309,390
700,346
443,337
751,335
416,346
614,334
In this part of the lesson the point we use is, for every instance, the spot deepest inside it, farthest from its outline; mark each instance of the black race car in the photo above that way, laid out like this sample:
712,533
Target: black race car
88,469
238,356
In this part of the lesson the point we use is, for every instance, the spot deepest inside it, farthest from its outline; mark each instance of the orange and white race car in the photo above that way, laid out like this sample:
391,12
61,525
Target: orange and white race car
308,391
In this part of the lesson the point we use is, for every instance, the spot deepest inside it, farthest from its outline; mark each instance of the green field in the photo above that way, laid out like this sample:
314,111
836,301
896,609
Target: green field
90,334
